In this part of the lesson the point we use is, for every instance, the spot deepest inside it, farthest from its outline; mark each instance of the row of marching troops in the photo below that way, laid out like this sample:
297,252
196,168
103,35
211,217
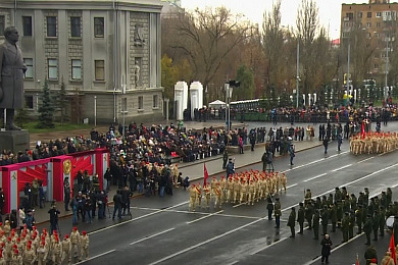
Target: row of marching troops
244,187
345,211
373,143
31,247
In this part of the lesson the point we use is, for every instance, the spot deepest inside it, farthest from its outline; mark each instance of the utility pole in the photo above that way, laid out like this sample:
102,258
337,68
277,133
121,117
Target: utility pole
298,73
348,69
387,66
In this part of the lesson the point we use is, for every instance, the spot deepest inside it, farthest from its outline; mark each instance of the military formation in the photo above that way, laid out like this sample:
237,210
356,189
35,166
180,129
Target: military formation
345,212
373,143
245,188
31,247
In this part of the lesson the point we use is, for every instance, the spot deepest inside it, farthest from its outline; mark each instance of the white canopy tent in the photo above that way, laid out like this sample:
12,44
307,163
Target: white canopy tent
217,104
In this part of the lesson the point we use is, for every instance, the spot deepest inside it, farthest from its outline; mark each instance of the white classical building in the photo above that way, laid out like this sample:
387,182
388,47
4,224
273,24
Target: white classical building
107,52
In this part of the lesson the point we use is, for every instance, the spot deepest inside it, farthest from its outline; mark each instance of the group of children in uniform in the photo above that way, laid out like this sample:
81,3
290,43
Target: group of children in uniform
244,187
373,143
31,247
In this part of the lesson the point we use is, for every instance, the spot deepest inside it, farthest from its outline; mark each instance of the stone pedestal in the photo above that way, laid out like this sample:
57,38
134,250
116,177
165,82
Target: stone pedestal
14,140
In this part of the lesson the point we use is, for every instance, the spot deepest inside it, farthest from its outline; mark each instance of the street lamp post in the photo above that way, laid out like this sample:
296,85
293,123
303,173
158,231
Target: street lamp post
298,74
228,93
95,111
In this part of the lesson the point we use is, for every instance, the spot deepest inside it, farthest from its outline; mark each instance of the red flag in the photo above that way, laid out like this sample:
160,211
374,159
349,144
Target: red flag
391,247
206,175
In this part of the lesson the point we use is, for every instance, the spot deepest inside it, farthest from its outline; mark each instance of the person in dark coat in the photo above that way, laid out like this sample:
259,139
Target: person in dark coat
292,222
326,244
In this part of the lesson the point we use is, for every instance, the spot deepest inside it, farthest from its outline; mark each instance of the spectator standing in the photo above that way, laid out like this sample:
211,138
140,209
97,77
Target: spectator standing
53,212
240,145
2,201
28,194
108,178
117,200
230,168
225,159
42,195
66,193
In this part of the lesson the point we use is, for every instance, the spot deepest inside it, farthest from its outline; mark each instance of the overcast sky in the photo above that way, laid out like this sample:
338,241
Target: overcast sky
329,10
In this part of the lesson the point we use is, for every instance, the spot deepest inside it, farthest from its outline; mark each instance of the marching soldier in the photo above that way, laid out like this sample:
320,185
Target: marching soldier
42,252
16,258
307,197
333,217
325,219
345,223
236,189
75,241
309,212
244,187
315,224
84,241
277,213
192,198
66,249
207,192
351,225
292,222
270,207
230,189
382,220
56,250
358,218
29,256
300,217
198,189
367,228
283,181
218,194
251,192
375,225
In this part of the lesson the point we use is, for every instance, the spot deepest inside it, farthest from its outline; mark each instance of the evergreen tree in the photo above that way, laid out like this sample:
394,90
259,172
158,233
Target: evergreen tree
46,109
62,102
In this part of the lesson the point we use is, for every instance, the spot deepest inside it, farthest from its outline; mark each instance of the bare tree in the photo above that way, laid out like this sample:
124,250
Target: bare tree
273,42
209,36
307,26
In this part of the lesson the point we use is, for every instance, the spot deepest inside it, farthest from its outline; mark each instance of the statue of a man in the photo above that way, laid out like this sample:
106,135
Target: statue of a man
12,71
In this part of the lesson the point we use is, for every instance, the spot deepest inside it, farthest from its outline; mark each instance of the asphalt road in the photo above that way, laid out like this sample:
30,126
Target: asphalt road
163,231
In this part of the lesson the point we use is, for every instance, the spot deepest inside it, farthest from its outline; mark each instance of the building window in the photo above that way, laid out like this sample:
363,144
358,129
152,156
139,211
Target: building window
141,102
359,14
378,24
99,70
75,27
155,101
378,14
369,15
27,26
51,26
2,25
368,24
99,27
76,69
29,68
376,66
29,102
350,16
52,69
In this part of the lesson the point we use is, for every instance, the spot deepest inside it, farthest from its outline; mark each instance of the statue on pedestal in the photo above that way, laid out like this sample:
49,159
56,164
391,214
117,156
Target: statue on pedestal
12,70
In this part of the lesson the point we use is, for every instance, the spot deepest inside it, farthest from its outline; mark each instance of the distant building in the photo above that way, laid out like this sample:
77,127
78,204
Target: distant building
106,51
377,19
